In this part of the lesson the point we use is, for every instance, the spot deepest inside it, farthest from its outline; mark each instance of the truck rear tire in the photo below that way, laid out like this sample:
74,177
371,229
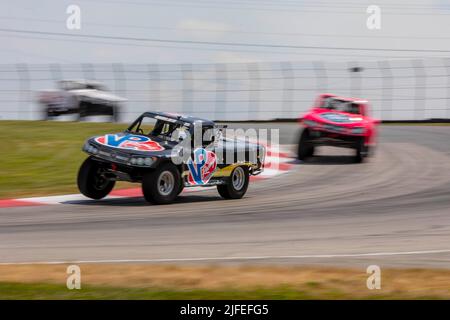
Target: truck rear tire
161,185
237,185
90,181
83,111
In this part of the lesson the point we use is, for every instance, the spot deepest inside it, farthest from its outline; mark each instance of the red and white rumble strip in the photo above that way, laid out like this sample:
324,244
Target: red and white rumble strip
278,161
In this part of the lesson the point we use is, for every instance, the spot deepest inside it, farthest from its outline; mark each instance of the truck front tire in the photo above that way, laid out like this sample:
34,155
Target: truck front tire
361,151
305,148
237,185
91,182
161,185
114,114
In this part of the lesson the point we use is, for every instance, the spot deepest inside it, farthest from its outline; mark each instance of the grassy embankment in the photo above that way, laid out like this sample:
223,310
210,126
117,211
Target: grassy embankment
42,158
127,281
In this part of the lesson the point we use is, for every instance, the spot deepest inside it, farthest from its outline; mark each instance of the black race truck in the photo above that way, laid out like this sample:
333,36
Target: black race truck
166,152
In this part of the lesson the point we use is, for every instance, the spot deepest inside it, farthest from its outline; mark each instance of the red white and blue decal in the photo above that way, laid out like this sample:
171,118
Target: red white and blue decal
202,167
342,118
129,141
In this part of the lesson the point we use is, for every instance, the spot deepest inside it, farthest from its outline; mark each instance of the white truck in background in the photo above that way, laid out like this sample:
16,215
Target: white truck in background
81,97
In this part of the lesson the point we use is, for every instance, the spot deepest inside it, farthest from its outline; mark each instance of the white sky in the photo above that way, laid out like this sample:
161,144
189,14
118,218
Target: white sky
416,24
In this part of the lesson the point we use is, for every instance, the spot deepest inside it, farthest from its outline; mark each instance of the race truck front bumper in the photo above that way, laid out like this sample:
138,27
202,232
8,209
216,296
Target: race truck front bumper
334,139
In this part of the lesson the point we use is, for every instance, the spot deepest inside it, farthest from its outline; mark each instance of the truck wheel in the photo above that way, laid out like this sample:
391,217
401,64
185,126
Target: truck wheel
46,116
305,148
114,114
91,182
82,111
362,151
161,186
181,187
237,185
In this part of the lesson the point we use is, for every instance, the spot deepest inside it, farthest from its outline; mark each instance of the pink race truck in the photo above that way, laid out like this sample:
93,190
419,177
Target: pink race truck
340,122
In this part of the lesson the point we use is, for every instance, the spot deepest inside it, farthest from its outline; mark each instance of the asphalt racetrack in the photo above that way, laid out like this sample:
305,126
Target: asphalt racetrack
391,211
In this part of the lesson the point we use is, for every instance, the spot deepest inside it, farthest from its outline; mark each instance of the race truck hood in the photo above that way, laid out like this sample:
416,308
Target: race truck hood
97,95
336,118
134,143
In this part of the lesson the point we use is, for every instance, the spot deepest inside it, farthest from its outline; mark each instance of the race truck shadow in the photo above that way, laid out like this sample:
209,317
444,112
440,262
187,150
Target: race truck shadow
330,160
325,155
140,201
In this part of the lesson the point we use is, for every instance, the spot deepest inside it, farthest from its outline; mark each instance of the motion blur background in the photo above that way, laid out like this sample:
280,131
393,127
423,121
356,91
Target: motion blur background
230,60
398,90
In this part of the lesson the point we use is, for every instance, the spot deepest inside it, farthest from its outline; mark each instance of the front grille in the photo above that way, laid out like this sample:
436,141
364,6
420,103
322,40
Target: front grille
113,155
333,128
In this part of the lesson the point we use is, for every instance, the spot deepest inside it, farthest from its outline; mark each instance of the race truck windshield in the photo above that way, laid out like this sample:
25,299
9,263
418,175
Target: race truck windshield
341,105
151,126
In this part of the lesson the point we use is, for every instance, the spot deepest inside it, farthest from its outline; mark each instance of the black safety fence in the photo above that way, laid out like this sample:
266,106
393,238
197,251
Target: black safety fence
416,89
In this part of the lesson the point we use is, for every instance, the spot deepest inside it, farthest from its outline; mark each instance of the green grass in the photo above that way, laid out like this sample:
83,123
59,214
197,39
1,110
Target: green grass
44,291
54,291
42,158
